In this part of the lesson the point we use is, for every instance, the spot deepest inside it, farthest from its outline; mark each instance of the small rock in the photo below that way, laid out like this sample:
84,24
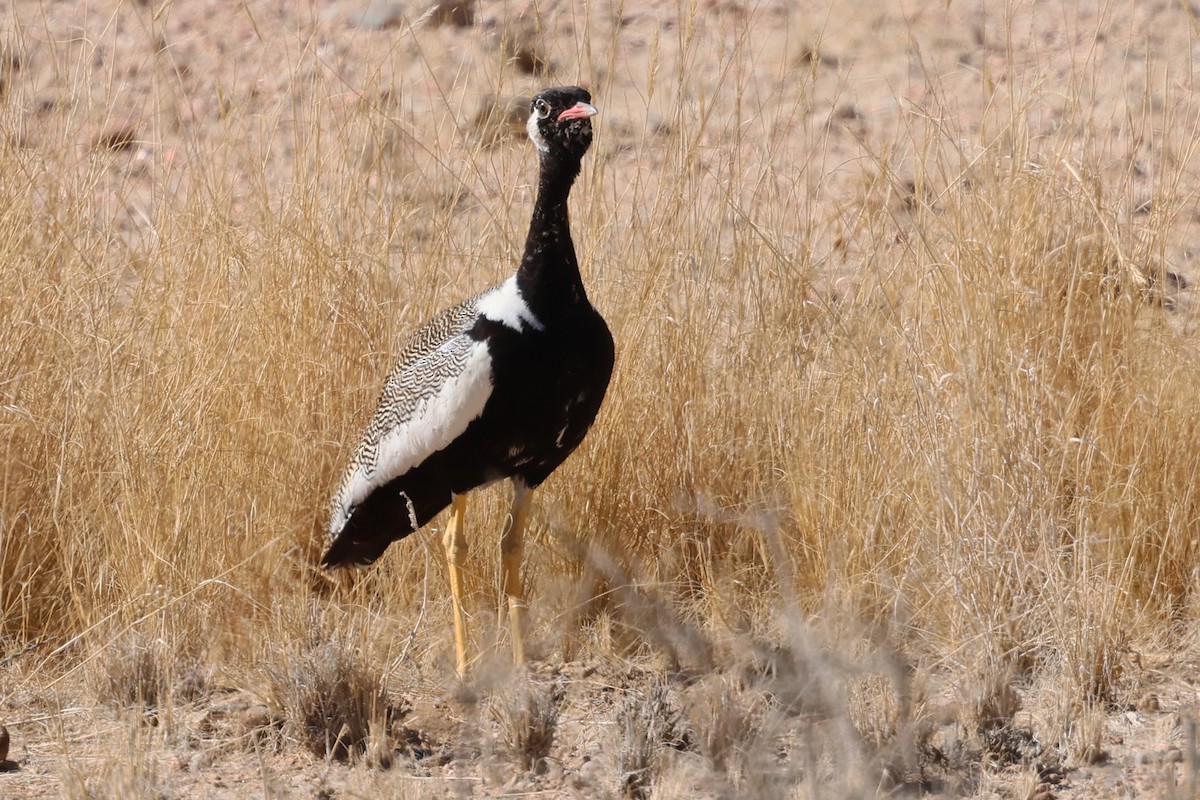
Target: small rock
256,716
380,16
848,112
527,59
44,103
520,47
815,54
10,62
589,775
5,741
554,773
497,120
1051,775
117,138
1161,753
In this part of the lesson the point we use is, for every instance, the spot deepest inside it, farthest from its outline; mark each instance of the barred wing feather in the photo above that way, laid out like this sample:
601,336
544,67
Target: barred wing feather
441,383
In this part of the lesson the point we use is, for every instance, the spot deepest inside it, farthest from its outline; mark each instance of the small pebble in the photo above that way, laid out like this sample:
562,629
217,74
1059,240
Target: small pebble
5,741
848,112
256,716
497,119
117,138
1161,753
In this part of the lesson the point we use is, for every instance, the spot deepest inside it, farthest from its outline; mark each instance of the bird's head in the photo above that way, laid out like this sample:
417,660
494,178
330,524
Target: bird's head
560,121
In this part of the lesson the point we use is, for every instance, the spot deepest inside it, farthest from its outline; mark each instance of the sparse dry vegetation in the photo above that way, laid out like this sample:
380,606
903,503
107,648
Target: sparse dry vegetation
331,697
895,489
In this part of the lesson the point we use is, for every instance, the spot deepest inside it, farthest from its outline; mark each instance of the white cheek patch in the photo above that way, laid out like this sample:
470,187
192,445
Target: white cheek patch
535,134
505,305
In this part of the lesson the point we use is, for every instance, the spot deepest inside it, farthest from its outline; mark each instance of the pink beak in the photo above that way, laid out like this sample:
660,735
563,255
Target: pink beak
580,110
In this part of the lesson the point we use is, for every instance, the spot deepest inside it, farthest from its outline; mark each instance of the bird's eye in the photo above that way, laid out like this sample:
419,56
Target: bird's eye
542,108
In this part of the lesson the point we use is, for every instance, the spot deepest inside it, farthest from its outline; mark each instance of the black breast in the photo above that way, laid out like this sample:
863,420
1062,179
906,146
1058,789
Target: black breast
547,389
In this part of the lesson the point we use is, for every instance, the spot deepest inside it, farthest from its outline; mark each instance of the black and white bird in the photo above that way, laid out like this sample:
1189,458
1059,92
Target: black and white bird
503,385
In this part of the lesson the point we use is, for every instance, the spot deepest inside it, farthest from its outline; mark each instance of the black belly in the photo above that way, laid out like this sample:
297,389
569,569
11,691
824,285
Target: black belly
547,389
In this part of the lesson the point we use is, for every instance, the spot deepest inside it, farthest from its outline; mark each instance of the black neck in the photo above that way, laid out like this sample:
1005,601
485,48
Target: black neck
549,277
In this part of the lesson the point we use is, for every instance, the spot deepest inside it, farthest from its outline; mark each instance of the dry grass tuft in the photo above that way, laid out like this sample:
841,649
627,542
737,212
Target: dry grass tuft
527,715
136,670
334,701
127,772
650,723
728,725
133,672
996,703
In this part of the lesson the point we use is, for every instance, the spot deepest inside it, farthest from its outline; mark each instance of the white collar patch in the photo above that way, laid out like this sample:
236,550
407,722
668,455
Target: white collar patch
505,305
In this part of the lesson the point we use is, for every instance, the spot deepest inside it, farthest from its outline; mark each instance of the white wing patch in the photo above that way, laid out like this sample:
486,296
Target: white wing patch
505,304
436,421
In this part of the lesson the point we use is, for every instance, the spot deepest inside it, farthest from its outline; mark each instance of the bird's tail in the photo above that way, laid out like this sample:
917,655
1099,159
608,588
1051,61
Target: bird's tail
388,515
347,552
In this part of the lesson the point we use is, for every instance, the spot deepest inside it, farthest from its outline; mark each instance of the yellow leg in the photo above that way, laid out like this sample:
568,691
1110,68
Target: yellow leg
455,542
512,549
